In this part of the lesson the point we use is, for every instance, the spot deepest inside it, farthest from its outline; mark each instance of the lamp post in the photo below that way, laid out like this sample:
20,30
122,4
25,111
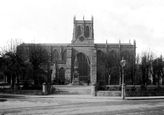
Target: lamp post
123,63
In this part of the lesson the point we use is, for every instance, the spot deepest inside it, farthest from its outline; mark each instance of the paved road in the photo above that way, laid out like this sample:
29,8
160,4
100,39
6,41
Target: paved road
81,105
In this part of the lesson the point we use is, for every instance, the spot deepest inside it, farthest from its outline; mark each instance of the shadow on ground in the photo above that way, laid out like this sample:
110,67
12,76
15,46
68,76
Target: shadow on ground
11,96
2,100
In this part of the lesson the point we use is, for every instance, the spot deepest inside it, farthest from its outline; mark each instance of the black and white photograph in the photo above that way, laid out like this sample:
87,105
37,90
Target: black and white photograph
81,57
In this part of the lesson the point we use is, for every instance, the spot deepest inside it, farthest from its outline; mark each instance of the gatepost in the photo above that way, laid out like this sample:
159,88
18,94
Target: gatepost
44,88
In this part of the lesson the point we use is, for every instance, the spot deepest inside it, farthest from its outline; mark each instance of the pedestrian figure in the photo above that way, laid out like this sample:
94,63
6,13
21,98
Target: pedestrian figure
88,81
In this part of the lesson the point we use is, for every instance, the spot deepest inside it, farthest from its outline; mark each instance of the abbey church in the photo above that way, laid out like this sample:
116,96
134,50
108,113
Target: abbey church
78,61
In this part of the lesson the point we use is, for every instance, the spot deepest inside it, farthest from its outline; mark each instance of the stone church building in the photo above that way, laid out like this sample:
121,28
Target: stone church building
76,62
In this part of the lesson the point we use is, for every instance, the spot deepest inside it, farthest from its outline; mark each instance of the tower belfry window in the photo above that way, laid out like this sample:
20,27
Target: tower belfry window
87,31
78,31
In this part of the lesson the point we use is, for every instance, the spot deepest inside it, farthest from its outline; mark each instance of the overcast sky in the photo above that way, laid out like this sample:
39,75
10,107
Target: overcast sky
51,21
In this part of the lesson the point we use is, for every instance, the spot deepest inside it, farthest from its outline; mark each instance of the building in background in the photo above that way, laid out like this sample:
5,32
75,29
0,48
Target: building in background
78,61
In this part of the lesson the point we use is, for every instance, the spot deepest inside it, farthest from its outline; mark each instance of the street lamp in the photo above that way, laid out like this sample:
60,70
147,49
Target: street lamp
123,63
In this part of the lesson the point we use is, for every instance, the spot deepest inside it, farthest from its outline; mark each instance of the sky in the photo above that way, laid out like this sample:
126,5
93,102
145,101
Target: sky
51,21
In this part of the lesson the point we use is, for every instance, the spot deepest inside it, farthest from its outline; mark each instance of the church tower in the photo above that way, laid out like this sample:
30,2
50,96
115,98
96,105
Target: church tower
82,51
83,32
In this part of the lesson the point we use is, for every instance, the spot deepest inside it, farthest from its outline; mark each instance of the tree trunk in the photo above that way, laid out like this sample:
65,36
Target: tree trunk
132,77
12,81
143,77
35,76
158,81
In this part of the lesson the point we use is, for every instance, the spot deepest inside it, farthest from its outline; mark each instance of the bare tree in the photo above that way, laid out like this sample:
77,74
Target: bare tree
158,66
130,66
137,70
38,56
11,63
107,64
147,58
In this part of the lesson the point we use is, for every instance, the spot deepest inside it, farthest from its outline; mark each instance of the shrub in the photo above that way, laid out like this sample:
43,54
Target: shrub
101,85
143,88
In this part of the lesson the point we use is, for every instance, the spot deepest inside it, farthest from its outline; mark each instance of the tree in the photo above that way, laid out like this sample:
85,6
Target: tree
146,59
137,70
38,57
13,65
158,66
108,64
130,66
11,62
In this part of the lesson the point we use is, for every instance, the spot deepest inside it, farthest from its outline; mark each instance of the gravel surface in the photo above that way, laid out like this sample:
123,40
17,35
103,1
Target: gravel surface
78,105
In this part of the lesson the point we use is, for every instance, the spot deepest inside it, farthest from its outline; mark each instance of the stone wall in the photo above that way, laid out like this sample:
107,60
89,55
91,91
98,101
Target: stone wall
115,90
109,93
144,93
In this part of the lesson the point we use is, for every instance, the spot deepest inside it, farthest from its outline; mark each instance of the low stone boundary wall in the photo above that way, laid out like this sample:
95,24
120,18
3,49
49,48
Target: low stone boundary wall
132,91
109,93
72,90
144,93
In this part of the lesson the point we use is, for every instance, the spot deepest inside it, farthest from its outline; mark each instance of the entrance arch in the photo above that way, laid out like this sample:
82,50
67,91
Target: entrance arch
83,67
61,75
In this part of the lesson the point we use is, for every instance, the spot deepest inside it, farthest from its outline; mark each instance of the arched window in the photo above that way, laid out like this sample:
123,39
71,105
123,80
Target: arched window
125,54
113,54
100,66
78,31
64,55
87,31
62,73
83,65
55,55
100,56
